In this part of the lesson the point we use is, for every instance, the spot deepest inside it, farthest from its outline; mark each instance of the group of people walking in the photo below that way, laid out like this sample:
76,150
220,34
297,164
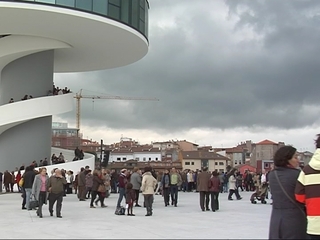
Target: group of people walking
38,187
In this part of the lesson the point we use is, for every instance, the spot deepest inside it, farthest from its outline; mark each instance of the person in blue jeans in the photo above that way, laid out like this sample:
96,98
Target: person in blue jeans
28,178
123,180
175,182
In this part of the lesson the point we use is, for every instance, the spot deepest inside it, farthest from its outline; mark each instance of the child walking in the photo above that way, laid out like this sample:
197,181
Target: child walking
130,198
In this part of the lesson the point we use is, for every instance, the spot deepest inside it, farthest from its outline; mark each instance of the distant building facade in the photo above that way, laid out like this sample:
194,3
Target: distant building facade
194,160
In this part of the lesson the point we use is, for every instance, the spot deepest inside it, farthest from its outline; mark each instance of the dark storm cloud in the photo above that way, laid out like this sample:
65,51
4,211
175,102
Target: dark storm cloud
261,71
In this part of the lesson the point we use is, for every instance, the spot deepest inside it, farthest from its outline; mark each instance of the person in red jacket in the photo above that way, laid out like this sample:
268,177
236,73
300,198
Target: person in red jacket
214,189
18,178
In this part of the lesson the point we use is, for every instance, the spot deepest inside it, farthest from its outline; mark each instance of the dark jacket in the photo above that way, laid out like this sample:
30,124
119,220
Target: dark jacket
122,181
214,184
96,182
130,196
56,184
7,178
166,178
203,181
82,179
287,218
28,178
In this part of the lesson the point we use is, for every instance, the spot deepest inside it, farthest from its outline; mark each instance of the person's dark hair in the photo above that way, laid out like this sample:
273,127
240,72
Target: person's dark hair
317,141
129,185
283,155
215,173
147,169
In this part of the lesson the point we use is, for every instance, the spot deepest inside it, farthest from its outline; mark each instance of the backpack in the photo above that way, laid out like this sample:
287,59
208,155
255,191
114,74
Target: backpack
120,211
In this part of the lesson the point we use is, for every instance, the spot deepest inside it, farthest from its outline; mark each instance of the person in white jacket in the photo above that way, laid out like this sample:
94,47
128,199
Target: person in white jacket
232,185
147,187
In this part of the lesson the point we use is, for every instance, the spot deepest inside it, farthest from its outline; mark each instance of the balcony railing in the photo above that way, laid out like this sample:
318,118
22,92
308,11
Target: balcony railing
133,13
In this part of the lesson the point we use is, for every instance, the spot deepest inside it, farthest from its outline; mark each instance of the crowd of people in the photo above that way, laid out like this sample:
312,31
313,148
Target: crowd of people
55,91
295,192
58,91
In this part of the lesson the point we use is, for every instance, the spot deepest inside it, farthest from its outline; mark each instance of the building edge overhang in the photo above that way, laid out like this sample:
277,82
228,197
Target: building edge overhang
92,42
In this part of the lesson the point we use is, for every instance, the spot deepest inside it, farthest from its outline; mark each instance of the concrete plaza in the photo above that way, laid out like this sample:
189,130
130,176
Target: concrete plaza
236,219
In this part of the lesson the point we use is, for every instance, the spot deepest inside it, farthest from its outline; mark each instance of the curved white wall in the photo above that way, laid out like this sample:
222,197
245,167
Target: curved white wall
22,111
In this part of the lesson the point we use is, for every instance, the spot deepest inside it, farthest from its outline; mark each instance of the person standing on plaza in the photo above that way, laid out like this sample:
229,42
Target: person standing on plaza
122,186
136,181
165,182
147,187
203,188
56,191
28,178
82,184
190,180
288,218
39,189
214,190
1,176
175,182
307,192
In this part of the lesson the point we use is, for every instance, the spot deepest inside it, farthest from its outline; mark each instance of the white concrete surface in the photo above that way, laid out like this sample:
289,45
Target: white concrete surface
236,219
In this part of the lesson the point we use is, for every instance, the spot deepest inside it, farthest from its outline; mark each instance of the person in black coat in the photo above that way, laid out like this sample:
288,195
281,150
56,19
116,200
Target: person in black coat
288,218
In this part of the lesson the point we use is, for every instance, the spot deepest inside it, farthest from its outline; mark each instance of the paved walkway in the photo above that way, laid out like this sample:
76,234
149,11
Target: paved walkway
236,219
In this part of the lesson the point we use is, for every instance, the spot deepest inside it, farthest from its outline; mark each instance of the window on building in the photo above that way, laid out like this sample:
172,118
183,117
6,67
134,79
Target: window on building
100,6
235,162
84,4
266,165
187,163
216,163
137,159
149,159
118,159
144,159
221,163
192,163
113,9
124,159
156,159
68,3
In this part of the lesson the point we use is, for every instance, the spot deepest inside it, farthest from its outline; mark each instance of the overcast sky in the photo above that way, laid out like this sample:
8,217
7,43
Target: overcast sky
224,71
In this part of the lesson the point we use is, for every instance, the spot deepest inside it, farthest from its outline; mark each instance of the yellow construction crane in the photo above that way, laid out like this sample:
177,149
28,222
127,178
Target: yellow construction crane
79,95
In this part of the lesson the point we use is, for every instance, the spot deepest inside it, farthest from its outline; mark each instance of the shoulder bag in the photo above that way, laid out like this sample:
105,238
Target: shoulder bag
287,195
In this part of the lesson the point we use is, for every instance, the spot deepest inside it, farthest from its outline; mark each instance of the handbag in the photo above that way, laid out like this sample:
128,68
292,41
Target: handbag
102,188
287,195
33,203
21,182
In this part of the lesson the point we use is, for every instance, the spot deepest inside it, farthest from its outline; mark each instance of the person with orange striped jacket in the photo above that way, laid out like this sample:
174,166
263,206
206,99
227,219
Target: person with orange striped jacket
308,192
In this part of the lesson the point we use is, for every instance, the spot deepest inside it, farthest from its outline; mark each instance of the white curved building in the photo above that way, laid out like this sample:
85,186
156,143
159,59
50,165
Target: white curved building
40,37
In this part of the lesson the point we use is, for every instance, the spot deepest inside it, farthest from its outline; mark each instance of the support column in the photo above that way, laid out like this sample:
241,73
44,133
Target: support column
31,140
